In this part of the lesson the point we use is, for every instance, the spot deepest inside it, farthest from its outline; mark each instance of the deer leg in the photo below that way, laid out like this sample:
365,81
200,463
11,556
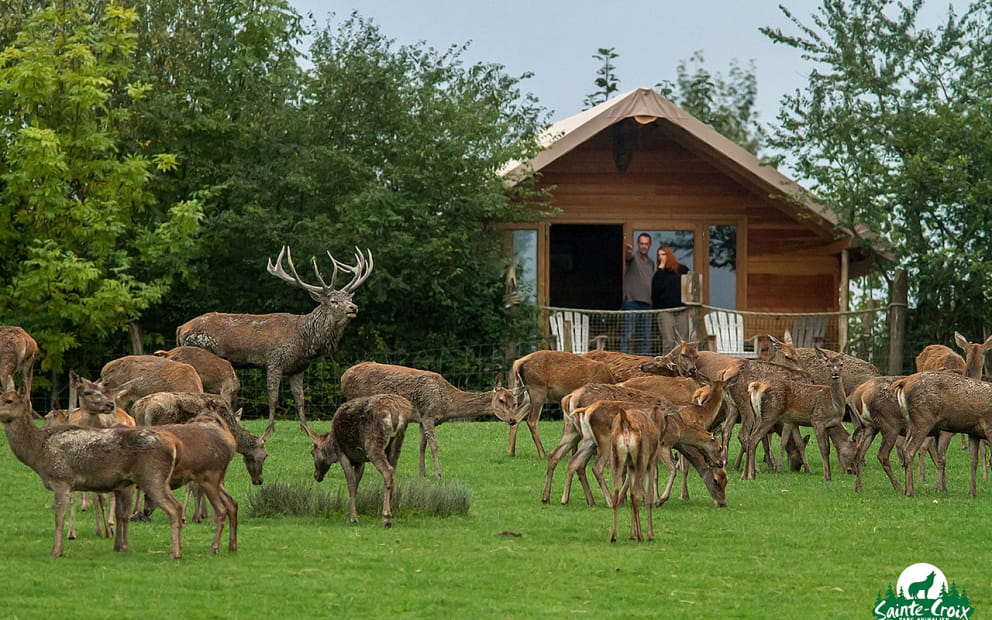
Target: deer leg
352,476
529,403
211,487
532,422
940,460
973,462
684,468
783,441
577,465
273,377
122,508
232,519
100,516
296,388
427,437
379,462
158,491
569,440
864,442
884,452
72,515
665,456
915,436
823,442
62,500
598,467
615,501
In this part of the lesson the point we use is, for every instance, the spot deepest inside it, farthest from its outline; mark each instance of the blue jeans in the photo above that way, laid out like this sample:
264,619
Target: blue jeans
641,323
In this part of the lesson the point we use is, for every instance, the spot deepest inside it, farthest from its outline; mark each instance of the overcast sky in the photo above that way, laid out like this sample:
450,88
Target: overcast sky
556,39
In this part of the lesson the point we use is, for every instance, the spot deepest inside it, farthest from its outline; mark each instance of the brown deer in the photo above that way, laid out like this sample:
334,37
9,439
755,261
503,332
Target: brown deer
133,376
367,429
633,448
96,410
941,401
546,376
216,373
434,399
571,434
940,357
623,365
675,389
17,352
181,407
69,458
282,343
206,449
795,403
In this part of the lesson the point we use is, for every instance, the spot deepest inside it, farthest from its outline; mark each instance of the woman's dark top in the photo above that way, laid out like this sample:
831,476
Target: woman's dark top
666,288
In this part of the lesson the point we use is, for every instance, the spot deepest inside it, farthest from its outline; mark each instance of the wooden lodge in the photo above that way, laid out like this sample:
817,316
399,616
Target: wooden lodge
640,163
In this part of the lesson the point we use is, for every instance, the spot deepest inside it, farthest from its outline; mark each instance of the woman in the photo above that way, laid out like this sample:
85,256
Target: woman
666,292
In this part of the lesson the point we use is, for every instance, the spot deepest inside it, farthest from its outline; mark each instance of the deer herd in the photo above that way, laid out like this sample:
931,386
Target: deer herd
153,423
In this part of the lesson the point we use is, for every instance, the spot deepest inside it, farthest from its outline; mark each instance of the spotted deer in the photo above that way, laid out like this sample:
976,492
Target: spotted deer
281,343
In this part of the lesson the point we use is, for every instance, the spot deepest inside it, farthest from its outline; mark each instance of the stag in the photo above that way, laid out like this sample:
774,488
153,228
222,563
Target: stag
69,458
17,353
434,399
282,343
215,372
368,429
547,376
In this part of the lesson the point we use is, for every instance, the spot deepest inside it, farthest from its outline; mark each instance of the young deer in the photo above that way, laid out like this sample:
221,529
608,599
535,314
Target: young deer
367,429
795,403
434,400
283,344
96,410
948,402
206,449
633,448
17,352
546,376
69,458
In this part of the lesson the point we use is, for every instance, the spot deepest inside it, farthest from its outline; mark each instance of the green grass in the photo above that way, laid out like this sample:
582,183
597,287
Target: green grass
788,545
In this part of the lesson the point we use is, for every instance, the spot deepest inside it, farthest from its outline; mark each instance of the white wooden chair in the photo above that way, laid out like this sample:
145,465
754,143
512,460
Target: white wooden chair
570,331
725,331
809,330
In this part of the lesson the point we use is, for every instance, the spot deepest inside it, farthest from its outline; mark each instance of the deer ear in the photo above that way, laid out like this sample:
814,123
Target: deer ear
8,383
775,341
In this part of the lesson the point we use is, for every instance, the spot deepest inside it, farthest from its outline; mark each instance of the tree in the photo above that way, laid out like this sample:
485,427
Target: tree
86,248
891,132
725,104
410,143
607,83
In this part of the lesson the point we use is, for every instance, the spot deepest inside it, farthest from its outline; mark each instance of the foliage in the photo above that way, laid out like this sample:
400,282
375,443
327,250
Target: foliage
891,132
727,104
86,247
704,562
606,84
415,177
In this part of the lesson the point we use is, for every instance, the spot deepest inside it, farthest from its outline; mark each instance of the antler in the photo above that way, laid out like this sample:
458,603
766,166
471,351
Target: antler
361,271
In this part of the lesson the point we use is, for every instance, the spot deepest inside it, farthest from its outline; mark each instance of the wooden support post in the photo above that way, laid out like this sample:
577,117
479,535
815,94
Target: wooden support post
692,298
845,282
898,309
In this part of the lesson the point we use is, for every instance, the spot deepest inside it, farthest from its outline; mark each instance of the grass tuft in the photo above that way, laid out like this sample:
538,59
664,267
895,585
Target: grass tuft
414,496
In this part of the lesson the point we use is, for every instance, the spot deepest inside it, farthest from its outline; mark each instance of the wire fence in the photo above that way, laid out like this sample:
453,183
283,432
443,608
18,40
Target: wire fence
479,367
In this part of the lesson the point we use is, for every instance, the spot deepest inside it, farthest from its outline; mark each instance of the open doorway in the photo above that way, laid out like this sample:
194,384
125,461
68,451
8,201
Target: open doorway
586,266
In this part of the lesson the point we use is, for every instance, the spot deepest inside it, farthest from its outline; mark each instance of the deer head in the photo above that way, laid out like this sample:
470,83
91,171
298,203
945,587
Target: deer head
255,458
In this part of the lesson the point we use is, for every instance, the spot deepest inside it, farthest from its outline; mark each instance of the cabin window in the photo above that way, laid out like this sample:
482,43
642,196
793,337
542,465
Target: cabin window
682,242
525,259
723,266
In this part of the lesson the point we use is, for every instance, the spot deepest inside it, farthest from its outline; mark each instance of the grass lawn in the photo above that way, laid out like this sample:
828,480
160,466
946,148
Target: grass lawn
787,546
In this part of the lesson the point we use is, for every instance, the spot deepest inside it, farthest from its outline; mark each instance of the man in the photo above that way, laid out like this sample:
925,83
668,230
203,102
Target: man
638,271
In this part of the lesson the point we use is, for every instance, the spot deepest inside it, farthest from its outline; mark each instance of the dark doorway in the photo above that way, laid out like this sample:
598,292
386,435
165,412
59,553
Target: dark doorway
586,266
